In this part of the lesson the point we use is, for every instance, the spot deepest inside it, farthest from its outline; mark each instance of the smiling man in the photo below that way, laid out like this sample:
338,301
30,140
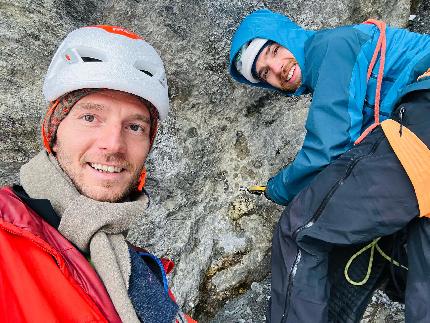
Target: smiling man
265,60
103,143
343,196
269,50
64,256
278,67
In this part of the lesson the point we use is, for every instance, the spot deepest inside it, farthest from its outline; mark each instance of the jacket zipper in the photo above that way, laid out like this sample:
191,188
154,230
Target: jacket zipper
401,114
314,218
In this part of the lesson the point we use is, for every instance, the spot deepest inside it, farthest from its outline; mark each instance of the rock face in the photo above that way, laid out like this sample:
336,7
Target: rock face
219,136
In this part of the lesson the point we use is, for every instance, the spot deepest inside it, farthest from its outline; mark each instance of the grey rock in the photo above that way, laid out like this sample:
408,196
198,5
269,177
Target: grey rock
382,309
421,22
248,308
219,136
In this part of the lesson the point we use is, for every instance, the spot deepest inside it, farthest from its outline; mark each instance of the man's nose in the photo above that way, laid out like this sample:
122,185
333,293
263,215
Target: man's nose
112,139
275,66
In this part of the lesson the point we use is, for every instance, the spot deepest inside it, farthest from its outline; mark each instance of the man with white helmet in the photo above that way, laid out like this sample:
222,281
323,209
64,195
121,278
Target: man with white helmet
63,252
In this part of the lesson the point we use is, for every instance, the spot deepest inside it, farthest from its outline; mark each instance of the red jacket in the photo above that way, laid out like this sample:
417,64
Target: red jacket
43,277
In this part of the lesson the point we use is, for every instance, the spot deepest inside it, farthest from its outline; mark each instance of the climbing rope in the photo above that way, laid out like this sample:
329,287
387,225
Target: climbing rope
380,49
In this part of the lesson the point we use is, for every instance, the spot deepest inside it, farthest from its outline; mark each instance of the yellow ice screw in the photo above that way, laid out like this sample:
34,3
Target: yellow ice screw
257,189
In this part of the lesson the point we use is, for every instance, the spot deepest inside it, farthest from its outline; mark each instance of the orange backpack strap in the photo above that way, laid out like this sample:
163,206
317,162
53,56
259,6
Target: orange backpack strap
414,156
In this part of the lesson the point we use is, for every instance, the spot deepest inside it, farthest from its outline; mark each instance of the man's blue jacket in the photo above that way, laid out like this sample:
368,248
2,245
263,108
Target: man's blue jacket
334,65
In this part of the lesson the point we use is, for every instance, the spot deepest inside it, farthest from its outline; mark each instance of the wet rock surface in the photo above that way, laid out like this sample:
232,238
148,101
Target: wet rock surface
219,136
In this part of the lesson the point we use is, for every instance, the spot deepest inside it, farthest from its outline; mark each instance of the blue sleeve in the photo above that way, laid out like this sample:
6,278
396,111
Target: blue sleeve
337,77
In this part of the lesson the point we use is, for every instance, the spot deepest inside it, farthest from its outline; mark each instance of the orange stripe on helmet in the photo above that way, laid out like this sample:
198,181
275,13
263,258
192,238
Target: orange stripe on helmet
117,30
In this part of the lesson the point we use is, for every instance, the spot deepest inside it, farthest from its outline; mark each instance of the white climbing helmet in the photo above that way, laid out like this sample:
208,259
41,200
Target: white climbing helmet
108,57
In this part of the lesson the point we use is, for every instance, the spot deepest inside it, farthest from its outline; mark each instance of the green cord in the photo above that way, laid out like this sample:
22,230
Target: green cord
371,246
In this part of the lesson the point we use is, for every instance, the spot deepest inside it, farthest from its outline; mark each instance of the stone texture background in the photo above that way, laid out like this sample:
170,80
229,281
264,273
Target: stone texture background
218,137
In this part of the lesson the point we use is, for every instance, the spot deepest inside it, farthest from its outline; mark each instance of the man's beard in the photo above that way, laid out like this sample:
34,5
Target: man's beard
116,198
285,85
118,159
90,191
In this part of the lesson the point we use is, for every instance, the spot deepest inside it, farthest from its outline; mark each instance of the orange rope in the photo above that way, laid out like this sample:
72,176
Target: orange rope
380,49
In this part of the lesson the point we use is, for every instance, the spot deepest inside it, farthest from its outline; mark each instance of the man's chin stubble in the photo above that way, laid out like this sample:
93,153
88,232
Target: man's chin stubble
65,165
93,192
98,196
108,185
291,88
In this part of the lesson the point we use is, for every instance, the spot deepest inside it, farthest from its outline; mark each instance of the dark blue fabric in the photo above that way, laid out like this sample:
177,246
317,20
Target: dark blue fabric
423,84
159,271
147,291
334,65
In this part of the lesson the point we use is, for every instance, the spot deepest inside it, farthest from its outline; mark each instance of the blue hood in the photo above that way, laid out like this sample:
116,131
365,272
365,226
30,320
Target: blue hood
276,27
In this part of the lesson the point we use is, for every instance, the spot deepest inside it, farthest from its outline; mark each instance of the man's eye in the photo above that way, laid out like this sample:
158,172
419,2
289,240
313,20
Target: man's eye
88,118
275,51
136,127
264,74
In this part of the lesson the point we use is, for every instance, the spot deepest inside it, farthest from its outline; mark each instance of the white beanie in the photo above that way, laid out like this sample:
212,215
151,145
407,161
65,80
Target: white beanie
246,56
